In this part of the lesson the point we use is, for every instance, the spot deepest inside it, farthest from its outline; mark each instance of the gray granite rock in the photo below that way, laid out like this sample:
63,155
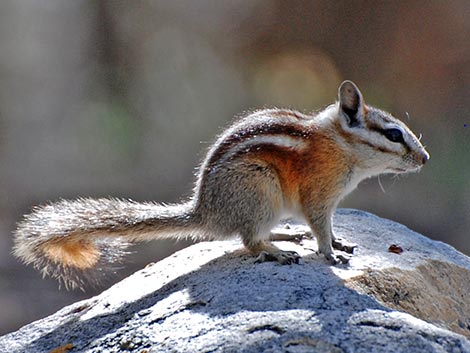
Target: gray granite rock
212,297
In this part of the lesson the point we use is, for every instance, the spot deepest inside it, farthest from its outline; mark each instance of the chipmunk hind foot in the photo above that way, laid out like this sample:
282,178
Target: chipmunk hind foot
267,252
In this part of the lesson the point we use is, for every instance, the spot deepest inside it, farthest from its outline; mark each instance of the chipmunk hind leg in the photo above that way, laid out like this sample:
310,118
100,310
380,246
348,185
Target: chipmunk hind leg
261,212
247,200
255,237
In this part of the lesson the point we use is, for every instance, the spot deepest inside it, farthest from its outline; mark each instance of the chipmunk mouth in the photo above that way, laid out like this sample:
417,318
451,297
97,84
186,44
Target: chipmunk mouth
410,169
407,169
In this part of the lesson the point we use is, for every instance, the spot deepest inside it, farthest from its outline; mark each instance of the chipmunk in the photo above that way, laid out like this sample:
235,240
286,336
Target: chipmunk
267,163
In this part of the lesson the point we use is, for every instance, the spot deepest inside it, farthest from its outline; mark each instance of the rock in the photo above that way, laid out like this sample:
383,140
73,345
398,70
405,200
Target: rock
212,297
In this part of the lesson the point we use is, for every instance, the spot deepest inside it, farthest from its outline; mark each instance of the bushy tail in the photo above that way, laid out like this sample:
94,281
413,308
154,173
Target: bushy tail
75,241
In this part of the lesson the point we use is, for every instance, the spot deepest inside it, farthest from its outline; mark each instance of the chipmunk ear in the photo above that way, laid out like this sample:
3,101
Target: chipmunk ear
351,103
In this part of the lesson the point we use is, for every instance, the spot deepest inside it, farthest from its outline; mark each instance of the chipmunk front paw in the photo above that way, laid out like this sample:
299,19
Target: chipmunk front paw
340,244
336,259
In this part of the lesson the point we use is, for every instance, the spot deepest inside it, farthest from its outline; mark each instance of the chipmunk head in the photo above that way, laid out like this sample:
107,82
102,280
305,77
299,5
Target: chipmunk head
382,143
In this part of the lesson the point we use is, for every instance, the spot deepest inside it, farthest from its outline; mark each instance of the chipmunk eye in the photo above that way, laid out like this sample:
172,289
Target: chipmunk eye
394,135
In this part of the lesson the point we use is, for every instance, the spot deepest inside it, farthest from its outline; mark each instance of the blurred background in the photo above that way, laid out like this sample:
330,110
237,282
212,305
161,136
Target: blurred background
122,98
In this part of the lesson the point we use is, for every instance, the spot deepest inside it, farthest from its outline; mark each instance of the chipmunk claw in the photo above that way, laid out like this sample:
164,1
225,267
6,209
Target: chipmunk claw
283,257
336,259
340,244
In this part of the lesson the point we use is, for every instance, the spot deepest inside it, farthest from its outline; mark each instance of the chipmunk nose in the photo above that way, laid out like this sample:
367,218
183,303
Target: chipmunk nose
425,157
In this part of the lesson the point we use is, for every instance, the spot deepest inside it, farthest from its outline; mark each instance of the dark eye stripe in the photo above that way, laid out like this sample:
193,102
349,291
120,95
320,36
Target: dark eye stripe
394,135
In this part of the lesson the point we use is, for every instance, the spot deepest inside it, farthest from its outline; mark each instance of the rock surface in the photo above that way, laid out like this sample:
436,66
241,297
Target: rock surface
212,297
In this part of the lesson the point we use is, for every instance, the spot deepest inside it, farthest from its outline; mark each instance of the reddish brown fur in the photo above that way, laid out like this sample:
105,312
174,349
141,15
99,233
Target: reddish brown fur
322,172
308,174
79,254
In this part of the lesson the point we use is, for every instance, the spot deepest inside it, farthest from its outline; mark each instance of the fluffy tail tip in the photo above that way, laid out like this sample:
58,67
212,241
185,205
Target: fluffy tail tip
75,264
